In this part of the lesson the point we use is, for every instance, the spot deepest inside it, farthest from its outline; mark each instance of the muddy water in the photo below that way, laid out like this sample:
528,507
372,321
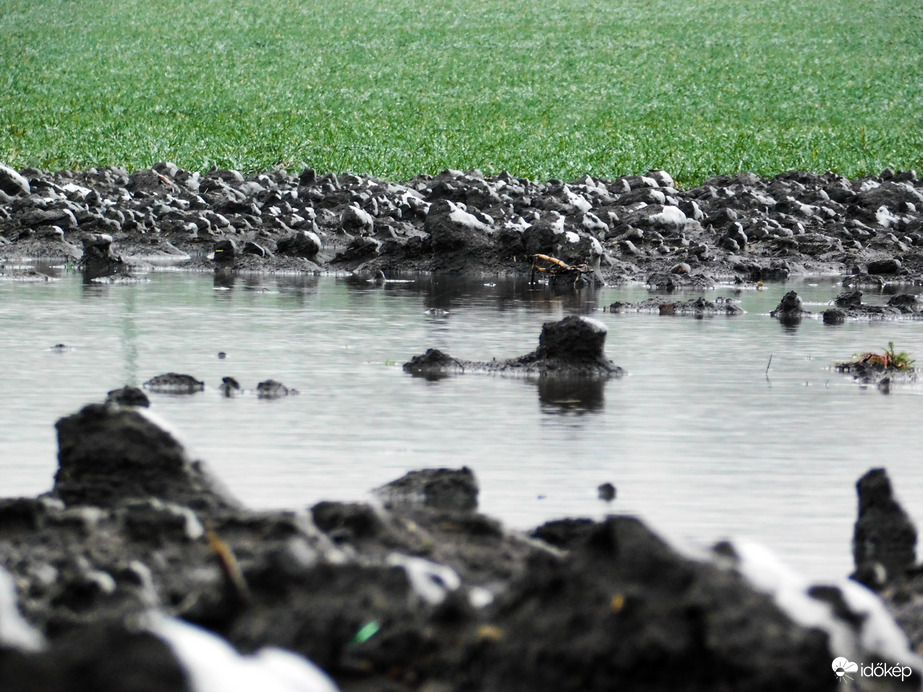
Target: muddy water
700,439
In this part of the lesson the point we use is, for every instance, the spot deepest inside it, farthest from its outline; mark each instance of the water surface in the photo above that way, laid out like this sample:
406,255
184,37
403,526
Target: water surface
699,439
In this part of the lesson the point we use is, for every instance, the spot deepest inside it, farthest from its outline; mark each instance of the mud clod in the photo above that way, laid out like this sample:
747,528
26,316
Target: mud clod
107,455
570,348
885,540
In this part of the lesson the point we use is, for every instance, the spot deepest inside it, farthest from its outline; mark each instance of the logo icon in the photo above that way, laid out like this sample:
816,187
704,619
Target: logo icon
841,666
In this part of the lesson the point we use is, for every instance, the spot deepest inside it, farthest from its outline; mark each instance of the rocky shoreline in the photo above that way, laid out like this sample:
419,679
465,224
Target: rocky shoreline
642,228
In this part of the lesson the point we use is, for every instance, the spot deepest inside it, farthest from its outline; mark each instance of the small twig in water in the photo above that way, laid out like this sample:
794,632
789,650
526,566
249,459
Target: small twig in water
768,365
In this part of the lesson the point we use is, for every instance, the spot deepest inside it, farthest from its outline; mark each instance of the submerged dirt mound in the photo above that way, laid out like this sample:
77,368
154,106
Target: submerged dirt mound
629,228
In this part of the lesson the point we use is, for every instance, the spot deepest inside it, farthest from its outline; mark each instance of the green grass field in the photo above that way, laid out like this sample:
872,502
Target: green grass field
550,89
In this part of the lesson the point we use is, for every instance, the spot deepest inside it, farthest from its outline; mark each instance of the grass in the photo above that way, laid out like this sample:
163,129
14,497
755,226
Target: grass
550,89
890,359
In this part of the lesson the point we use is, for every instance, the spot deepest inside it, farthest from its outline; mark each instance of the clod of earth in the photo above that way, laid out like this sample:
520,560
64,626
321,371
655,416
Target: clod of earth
790,310
108,453
570,348
174,383
128,396
885,540
695,307
849,305
271,389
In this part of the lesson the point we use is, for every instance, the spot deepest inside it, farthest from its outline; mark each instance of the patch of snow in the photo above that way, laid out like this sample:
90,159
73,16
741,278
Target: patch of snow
884,217
670,217
77,190
593,223
557,224
480,597
486,219
213,665
15,632
597,326
413,200
103,581
430,580
592,186
663,178
462,218
576,201
596,248
873,633
517,223
657,197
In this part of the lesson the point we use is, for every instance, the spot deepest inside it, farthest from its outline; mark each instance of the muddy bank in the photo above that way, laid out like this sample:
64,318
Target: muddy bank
413,590
633,228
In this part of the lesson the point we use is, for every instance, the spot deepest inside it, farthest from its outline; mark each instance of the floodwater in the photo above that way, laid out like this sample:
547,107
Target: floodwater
724,426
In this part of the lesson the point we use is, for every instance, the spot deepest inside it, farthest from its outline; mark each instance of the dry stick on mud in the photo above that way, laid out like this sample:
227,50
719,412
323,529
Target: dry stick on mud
230,569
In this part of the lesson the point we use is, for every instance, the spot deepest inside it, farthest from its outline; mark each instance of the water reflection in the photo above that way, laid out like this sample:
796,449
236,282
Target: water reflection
295,288
447,292
790,323
129,339
94,289
575,397
373,282
53,271
224,279
556,396
440,293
